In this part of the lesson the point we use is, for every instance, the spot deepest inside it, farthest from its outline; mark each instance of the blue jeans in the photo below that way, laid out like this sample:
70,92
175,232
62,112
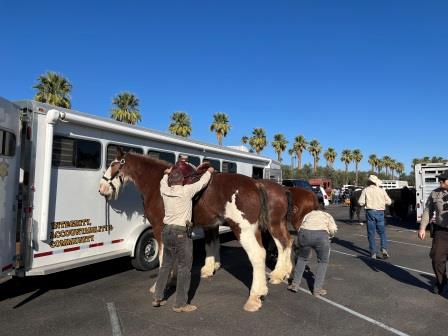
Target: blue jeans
176,247
375,222
319,242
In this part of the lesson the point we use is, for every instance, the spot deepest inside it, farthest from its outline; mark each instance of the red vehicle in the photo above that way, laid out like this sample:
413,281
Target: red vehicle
322,182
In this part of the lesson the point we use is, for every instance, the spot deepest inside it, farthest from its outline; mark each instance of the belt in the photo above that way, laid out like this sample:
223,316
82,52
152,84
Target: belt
176,227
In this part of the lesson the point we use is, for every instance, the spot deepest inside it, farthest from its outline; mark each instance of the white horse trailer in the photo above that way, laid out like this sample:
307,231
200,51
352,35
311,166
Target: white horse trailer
52,217
425,182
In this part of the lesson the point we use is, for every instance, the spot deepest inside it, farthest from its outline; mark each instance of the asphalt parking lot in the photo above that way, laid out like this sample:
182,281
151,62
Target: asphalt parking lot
365,296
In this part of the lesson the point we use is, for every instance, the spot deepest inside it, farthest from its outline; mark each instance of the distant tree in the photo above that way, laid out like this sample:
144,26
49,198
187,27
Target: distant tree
357,157
279,144
330,155
387,161
379,165
180,124
315,148
244,140
220,125
399,168
346,158
291,153
372,161
126,108
53,89
258,140
299,146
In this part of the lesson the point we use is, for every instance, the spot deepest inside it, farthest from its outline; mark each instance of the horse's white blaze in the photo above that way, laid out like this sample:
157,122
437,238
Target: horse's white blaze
256,254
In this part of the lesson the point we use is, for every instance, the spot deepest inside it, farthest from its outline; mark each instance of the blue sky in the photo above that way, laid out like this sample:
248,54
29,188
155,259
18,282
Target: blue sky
371,75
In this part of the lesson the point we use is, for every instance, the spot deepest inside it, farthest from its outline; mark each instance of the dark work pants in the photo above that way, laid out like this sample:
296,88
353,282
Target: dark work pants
176,247
439,256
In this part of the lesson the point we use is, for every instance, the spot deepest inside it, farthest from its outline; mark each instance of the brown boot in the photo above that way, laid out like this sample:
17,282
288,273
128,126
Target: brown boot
185,309
320,292
158,303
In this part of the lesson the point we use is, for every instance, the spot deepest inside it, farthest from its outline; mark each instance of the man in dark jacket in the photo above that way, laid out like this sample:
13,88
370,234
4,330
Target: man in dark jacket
438,203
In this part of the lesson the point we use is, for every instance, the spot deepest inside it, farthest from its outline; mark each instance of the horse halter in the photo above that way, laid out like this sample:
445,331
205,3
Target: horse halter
110,180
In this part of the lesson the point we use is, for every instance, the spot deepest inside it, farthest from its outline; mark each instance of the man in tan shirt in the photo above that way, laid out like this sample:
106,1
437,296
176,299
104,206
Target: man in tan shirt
375,200
177,245
314,233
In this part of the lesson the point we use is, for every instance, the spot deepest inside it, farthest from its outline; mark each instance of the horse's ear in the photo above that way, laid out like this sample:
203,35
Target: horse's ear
120,153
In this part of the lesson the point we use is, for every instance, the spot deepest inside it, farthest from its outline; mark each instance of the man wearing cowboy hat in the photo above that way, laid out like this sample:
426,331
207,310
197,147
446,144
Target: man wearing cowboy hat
437,204
375,200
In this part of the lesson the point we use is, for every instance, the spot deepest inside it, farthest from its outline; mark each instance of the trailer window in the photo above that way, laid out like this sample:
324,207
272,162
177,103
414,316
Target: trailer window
166,156
213,163
7,143
194,160
228,167
111,153
76,153
257,173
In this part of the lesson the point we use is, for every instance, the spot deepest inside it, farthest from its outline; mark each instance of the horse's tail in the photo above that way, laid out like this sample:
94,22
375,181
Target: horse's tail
264,208
289,210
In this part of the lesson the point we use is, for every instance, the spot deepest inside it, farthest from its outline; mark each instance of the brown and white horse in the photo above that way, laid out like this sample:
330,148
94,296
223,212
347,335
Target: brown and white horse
229,198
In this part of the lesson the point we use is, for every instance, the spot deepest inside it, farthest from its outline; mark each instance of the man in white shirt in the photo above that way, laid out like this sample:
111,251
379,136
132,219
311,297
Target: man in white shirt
314,233
375,200
177,245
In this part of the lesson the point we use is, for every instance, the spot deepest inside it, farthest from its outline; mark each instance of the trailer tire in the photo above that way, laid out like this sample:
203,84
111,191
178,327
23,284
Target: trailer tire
146,255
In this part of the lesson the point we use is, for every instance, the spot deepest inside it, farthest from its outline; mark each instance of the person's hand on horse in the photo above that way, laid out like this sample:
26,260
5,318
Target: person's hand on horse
211,170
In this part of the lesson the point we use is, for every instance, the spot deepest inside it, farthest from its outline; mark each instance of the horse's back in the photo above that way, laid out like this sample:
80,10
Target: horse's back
228,189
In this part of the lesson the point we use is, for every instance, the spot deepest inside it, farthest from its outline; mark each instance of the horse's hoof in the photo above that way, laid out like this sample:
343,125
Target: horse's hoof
217,266
253,304
206,273
275,281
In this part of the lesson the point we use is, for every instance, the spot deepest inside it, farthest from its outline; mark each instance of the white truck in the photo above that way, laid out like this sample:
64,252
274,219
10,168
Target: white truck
52,217
425,182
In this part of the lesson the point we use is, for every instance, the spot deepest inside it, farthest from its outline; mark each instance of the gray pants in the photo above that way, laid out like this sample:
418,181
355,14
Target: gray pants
176,247
318,241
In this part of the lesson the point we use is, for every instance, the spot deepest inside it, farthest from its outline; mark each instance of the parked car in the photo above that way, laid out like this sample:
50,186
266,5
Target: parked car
322,196
299,183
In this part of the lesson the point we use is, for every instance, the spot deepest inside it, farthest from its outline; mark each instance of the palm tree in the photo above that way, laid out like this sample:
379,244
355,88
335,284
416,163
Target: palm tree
53,89
220,125
399,168
387,162
126,108
258,140
180,124
372,161
357,157
315,148
291,152
379,165
299,146
346,158
244,140
330,155
279,145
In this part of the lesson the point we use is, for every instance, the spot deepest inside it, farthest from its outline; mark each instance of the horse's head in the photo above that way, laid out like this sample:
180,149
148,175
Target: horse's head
114,178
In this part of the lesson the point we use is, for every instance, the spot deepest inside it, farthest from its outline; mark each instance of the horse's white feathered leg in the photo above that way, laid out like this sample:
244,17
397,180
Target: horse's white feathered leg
283,267
152,289
209,268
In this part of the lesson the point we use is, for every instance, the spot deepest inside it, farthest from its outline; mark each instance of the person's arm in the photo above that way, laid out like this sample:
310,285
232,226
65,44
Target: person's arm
197,186
426,217
362,198
164,180
332,227
387,199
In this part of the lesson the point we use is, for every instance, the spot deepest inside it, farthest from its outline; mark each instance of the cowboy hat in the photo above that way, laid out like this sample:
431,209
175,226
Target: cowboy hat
374,179
443,176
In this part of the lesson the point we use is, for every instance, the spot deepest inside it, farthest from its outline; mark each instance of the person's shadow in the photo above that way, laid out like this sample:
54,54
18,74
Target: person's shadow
350,246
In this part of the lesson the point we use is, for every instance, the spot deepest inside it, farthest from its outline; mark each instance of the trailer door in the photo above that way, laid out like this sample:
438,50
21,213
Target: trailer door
9,168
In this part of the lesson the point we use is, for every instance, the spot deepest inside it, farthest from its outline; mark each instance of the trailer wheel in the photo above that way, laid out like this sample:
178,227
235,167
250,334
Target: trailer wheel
146,253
